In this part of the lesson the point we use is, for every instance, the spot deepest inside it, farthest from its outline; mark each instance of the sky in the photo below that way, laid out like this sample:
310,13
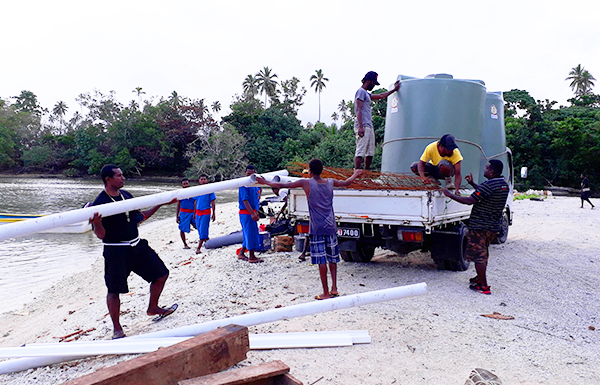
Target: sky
205,49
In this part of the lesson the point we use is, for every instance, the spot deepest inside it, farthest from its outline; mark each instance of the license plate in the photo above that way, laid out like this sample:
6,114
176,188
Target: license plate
348,233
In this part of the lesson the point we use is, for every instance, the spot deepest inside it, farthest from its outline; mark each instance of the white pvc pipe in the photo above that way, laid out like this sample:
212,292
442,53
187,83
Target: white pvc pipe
34,225
245,320
147,345
294,311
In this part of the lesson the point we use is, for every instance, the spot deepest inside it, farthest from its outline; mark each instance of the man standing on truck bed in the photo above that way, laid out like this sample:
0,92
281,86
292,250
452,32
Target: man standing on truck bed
322,228
363,126
488,200
440,160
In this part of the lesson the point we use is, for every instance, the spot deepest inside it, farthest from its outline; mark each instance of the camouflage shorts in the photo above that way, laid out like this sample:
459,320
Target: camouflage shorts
478,242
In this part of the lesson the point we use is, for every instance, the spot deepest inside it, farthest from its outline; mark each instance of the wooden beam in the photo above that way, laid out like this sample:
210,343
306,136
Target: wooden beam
267,373
204,354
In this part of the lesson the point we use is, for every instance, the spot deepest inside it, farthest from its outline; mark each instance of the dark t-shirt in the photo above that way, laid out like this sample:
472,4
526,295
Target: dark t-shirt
491,198
118,228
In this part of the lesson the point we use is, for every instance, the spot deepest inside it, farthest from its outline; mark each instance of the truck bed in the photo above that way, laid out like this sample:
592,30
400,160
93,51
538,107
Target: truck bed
426,209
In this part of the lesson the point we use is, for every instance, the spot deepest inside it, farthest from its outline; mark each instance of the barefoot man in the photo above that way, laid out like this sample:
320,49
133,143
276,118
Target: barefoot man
125,252
185,213
322,227
205,212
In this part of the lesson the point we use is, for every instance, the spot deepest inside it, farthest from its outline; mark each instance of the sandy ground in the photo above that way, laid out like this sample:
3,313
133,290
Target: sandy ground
545,276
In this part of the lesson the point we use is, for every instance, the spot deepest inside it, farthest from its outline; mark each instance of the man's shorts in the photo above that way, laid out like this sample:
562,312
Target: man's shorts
434,171
323,249
120,261
250,229
365,145
184,221
478,243
202,224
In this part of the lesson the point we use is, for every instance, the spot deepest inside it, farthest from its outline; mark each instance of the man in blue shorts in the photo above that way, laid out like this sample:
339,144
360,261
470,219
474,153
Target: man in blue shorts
125,252
322,226
205,212
185,213
249,198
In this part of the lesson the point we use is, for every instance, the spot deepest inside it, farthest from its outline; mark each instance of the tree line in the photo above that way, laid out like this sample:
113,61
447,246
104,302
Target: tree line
177,135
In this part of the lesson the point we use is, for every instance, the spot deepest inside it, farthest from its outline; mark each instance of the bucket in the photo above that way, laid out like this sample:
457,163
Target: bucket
283,243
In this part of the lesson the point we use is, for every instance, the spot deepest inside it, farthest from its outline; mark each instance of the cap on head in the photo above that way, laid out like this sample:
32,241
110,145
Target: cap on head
371,75
447,141
497,166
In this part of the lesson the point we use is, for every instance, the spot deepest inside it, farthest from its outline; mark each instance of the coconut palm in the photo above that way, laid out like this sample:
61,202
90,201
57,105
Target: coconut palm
581,81
250,86
59,110
139,92
318,82
267,83
335,116
216,106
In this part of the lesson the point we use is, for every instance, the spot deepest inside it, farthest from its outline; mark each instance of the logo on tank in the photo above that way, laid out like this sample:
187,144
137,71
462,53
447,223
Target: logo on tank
494,112
395,103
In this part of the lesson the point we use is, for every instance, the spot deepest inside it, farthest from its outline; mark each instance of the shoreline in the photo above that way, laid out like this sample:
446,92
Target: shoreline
546,281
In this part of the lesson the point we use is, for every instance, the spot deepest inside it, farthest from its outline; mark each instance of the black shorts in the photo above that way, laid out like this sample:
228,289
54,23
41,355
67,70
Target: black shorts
120,261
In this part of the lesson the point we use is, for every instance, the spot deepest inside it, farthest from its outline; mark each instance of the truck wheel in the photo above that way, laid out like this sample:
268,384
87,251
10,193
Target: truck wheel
503,234
448,249
347,255
364,253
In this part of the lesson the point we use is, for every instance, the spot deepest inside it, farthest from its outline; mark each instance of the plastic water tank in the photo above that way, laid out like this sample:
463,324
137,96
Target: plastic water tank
493,140
424,110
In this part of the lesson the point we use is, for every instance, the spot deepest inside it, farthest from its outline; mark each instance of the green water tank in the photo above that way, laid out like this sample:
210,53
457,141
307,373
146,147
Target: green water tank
424,110
493,141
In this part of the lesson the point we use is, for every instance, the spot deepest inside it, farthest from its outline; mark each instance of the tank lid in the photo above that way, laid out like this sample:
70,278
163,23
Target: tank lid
439,76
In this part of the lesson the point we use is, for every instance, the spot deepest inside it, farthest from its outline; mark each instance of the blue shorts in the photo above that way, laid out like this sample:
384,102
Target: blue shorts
323,249
184,221
202,224
250,229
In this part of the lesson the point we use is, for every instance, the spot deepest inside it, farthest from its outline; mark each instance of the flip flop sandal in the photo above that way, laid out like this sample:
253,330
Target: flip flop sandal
167,312
319,298
255,260
334,295
242,257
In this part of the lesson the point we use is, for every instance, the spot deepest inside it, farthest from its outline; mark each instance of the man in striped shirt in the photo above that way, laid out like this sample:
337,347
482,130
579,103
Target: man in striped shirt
488,200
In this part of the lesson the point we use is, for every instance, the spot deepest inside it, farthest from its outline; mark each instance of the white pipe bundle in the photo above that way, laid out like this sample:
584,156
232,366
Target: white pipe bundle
243,320
30,226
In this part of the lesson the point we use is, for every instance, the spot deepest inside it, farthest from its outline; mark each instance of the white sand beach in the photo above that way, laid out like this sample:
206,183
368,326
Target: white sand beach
545,276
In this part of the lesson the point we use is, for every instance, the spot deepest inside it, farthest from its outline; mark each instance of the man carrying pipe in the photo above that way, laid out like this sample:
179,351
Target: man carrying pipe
125,252
322,228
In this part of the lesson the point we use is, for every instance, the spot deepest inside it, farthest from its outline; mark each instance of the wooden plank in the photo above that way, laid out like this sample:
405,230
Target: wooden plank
204,354
255,374
288,379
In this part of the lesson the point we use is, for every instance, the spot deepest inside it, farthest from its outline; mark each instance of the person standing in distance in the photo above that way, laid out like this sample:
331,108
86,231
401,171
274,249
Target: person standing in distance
125,252
363,126
184,215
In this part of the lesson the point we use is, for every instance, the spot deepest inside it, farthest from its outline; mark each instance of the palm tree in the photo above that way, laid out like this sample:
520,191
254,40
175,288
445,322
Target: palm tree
318,82
216,106
139,92
250,86
335,116
581,81
267,83
60,109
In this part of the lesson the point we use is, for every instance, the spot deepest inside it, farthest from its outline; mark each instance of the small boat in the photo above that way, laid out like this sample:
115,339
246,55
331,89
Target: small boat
73,228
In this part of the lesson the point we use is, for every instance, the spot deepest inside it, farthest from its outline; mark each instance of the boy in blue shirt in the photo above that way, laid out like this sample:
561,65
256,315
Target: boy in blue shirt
185,213
205,212
249,198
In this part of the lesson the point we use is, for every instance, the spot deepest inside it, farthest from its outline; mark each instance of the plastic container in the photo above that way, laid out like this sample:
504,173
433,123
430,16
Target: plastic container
426,109
265,241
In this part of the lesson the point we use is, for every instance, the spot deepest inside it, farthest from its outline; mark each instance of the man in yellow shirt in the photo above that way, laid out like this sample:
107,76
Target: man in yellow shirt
440,160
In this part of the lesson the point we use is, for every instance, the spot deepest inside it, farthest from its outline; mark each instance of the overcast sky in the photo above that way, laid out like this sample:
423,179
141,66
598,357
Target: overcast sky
204,49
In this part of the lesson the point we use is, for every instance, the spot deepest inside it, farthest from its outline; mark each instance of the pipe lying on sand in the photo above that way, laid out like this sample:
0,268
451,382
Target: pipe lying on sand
30,226
266,316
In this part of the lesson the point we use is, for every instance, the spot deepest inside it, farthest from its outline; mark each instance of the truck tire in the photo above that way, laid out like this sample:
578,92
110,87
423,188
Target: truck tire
347,255
364,253
448,249
503,234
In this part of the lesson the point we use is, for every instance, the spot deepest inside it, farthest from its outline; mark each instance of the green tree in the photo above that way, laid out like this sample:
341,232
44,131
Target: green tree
267,83
250,85
59,110
581,81
318,83
216,106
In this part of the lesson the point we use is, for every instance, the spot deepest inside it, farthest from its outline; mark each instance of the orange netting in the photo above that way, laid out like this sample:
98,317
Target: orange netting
368,180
